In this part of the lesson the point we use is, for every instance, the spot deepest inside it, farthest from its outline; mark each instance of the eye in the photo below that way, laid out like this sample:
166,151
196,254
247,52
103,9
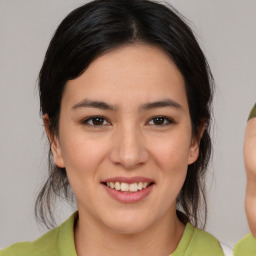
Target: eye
95,121
160,121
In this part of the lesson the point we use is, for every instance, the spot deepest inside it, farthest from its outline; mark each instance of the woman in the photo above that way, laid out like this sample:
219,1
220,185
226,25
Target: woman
125,95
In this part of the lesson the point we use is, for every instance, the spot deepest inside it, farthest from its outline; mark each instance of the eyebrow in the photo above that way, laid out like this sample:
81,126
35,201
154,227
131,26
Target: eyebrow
144,107
160,104
94,104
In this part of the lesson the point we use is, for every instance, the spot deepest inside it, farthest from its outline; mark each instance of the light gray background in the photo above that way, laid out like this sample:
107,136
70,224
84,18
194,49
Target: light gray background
227,33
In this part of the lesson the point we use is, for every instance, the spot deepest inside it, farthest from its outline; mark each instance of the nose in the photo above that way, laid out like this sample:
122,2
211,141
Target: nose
129,149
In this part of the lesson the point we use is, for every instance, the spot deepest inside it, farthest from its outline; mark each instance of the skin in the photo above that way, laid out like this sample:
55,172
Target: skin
128,143
250,166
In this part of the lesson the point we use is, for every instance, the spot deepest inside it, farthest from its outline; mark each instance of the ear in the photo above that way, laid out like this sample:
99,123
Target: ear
54,142
195,143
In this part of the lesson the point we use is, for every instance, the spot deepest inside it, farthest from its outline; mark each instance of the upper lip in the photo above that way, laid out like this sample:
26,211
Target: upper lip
129,180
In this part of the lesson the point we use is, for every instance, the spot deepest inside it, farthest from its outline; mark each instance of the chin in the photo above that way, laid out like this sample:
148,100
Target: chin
128,224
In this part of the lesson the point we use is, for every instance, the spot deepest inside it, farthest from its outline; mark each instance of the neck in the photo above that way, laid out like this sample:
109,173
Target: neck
161,238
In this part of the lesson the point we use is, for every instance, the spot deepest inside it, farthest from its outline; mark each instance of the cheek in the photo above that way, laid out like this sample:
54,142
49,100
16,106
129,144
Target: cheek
83,158
171,154
82,154
172,157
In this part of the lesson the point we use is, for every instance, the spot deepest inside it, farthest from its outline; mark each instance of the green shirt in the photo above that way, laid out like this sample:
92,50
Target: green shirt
60,242
246,246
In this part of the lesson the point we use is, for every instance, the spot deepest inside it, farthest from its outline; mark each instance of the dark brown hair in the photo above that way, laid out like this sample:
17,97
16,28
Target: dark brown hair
101,26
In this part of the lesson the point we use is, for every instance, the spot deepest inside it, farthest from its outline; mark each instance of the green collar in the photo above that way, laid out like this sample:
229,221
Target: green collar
66,241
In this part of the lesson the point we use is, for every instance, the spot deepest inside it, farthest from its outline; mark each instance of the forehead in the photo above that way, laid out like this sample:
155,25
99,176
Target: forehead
129,73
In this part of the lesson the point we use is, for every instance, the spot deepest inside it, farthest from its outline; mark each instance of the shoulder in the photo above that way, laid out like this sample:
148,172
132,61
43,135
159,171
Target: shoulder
201,236
53,243
208,243
45,245
201,243
246,246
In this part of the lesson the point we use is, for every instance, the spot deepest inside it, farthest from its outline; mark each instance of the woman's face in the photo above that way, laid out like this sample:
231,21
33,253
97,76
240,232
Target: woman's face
125,138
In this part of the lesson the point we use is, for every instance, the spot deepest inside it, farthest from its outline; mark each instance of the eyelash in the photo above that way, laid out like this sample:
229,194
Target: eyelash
167,121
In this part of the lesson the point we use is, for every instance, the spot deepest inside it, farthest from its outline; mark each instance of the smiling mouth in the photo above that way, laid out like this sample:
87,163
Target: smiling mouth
125,187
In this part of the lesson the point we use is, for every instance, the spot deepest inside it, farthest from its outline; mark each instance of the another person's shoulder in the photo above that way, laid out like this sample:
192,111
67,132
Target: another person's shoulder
246,246
50,244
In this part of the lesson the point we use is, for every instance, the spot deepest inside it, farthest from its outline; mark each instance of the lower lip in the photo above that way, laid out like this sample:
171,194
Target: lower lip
129,197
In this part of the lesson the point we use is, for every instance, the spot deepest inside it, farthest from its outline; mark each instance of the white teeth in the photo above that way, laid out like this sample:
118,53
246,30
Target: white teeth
145,184
117,185
133,187
112,185
125,187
